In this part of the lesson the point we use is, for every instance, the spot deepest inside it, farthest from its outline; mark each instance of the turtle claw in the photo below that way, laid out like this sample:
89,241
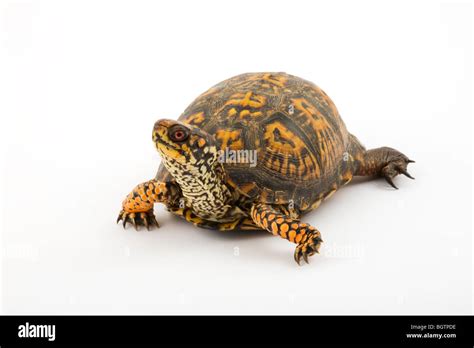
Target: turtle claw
151,221
305,258
390,181
146,219
132,219
404,172
308,248
125,220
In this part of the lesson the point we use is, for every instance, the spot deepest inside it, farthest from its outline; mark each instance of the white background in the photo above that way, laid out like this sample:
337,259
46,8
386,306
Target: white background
82,83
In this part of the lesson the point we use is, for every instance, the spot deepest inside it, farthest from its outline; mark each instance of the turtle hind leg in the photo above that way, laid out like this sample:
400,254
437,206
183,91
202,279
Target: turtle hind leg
384,162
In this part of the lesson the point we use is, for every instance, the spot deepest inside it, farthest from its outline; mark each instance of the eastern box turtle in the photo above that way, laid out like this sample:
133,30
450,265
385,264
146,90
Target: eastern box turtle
254,152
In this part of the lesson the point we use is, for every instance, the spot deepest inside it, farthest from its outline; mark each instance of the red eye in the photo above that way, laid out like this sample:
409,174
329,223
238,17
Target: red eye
179,135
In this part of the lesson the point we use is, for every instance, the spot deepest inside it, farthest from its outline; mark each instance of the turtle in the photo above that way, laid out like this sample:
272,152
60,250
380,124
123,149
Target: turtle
256,152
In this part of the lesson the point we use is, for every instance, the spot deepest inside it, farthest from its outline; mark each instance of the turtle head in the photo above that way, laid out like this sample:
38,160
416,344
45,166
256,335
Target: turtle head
179,143
191,157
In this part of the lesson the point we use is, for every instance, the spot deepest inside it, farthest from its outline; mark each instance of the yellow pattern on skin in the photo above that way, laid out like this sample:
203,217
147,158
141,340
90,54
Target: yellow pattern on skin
169,151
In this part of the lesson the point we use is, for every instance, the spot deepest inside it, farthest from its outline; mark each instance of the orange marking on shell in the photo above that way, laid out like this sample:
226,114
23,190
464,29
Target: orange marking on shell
284,228
244,113
285,133
196,118
230,139
247,100
275,79
279,220
271,217
328,149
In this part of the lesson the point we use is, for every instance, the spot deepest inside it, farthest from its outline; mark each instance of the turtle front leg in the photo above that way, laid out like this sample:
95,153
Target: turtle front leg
137,208
384,162
307,237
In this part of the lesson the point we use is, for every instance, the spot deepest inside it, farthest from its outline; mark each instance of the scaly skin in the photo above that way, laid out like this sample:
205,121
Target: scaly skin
137,208
384,162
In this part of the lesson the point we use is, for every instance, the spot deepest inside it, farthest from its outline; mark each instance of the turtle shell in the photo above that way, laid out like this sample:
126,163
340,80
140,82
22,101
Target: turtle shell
291,125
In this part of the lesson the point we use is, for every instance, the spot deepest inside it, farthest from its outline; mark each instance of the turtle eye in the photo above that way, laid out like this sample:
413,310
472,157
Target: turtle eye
179,134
